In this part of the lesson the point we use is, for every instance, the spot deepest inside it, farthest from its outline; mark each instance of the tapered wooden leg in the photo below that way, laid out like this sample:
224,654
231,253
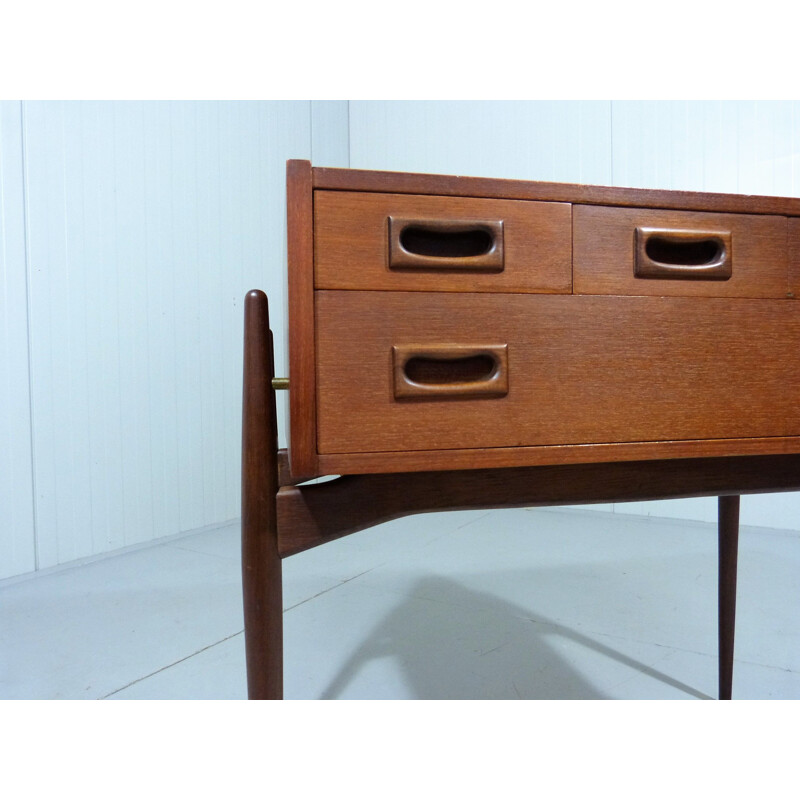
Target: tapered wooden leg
728,550
261,564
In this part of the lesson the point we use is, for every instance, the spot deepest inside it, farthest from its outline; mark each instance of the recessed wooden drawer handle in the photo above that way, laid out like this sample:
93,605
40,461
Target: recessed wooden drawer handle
435,244
436,371
683,254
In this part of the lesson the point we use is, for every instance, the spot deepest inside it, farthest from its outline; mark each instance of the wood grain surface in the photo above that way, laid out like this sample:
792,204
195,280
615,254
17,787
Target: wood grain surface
629,389
604,241
728,552
300,253
315,513
261,567
794,258
461,186
581,370
351,244
565,454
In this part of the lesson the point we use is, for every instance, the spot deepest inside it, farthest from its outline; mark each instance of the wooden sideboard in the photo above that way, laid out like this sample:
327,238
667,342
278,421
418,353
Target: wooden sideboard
466,342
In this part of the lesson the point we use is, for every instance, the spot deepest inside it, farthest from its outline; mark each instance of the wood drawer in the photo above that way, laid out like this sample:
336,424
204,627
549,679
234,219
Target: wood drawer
579,370
635,251
432,243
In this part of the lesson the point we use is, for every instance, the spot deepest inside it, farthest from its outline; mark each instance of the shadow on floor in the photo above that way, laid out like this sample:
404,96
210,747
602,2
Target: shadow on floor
465,644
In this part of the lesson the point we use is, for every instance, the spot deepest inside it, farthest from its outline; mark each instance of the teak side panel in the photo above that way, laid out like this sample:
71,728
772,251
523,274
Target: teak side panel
603,253
302,360
582,370
351,245
358,180
794,258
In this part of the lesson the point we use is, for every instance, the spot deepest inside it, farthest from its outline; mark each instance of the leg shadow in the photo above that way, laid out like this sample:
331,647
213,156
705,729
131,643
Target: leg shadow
458,643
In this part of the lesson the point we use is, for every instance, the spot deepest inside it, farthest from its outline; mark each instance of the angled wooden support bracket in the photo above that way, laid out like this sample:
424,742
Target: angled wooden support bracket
312,514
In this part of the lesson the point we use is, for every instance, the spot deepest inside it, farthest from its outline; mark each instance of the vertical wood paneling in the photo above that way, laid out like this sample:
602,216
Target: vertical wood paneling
330,141
158,327
658,144
189,313
722,146
17,535
536,140
795,165
780,511
147,224
722,140
761,146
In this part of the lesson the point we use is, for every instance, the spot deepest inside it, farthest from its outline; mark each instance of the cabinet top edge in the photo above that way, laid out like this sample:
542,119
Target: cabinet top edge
361,180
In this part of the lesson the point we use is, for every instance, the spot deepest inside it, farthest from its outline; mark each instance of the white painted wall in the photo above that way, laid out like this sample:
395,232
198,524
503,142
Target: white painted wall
131,233
132,230
537,140
17,543
731,146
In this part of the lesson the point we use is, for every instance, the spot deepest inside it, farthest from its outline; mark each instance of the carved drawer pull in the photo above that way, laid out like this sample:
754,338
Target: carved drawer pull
683,254
438,371
435,244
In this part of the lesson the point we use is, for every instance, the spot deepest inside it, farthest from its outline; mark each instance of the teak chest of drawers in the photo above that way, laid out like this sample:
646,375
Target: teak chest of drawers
466,342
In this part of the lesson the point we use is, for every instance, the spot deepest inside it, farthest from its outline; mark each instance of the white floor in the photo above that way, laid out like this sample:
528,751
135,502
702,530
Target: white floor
505,604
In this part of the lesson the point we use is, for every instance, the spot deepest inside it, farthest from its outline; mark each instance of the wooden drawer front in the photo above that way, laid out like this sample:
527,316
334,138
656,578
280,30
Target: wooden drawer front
698,248
430,243
579,369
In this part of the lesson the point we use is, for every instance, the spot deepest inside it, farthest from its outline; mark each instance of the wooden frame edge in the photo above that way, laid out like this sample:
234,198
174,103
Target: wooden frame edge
303,461
361,180
551,455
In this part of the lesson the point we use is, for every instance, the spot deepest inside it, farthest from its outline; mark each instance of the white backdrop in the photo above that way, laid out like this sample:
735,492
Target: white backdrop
131,233
132,230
